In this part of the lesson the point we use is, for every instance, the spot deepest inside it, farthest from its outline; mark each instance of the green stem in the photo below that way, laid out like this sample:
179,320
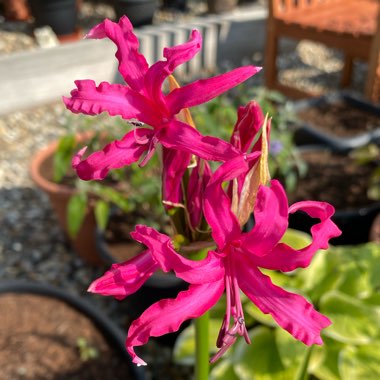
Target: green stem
201,347
302,373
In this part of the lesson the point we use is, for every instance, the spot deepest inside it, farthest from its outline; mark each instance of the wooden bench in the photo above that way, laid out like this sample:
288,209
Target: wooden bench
352,26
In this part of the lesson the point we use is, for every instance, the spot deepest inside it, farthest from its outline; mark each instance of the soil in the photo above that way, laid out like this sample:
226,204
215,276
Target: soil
333,178
340,118
39,341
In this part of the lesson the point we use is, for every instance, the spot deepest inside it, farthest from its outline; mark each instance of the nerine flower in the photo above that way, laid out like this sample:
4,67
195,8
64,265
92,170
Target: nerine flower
143,99
233,266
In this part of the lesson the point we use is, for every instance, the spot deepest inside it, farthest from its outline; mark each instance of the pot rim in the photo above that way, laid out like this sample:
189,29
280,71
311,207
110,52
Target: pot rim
114,335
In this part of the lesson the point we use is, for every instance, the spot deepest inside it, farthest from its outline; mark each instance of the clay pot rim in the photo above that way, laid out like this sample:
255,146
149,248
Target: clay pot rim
40,157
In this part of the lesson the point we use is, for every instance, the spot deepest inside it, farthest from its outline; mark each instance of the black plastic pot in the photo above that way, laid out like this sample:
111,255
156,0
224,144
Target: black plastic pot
111,332
306,134
139,12
355,224
159,286
60,15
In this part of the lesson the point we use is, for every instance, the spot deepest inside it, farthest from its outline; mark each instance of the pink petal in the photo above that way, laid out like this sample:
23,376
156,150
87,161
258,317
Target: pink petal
126,278
175,56
204,90
167,315
198,180
132,64
285,258
291,311
113,156
175,164
163,252
250,120
115,99
217,205
181,136
271,220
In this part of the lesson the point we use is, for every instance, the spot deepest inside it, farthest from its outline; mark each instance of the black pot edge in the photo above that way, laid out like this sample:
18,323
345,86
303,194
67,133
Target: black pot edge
305,131
113,334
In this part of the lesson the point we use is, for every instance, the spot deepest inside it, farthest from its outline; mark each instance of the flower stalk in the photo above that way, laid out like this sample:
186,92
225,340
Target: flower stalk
202,365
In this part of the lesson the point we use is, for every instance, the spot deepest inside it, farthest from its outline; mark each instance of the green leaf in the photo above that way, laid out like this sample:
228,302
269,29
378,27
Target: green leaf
102,211
352,320
296,239
259,360
325,365
321,276
184,348
76,212
223,370
360,363
62,157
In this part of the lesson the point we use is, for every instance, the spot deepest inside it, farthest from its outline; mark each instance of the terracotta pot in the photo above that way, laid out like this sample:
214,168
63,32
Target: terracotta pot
374,234
41,171
221,6
40,327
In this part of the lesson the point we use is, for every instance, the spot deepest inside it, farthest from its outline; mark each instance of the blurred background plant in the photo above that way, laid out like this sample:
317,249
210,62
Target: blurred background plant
344,283
370,155
125,189
218,118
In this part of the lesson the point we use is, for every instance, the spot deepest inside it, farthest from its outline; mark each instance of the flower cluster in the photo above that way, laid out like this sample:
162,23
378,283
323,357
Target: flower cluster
214,204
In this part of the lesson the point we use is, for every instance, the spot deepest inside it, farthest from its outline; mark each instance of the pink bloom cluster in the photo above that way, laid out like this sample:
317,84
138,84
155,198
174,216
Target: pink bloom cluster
234,264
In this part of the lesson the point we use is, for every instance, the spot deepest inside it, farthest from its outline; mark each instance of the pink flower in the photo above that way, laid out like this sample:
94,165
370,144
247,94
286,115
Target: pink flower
142,99
232,266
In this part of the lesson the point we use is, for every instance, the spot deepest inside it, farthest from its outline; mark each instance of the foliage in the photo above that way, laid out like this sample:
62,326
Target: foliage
125,189
370,155
218,117
345,284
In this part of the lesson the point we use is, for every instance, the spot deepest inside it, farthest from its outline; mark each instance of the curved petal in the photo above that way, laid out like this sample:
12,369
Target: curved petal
132,65
169,260
203,90
125,278
181,136
198,180
175,56
217,205
115,99
166,315
271,220
285,258
250,120
291,311
113,156
175,164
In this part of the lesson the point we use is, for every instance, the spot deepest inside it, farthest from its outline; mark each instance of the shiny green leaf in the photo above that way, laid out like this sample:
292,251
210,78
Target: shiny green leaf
360,363
63,156
223,370
184,347
102,211
76,212
352,320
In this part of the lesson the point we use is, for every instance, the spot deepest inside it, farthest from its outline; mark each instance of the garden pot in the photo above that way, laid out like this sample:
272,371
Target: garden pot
47,333
139,12
339,121
41,171
60,15
336,179
180,5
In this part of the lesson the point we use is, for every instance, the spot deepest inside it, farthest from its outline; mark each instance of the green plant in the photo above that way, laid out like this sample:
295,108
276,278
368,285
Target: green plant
125,189
345,284
86,350
218,117
370,155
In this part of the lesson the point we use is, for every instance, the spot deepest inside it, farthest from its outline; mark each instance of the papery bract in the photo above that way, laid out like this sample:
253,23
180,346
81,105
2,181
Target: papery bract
143,99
